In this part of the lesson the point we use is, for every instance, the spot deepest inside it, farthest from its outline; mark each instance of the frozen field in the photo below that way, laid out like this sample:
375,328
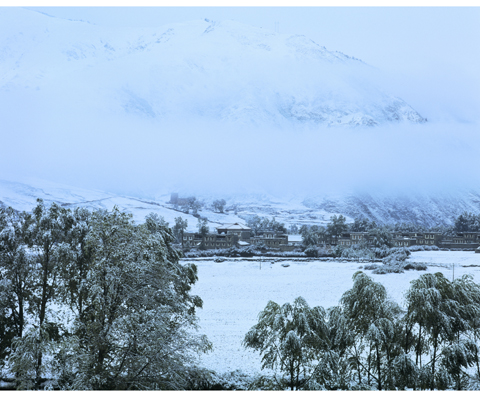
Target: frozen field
234,292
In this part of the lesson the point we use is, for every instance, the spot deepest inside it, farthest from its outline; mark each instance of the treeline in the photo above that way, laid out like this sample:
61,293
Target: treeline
467,222
368,342
382,235
91,301
260,224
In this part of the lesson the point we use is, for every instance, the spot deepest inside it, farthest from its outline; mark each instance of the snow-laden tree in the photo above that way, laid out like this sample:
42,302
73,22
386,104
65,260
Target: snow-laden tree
44,233
134,331
445,314
294,229
155,222
381,237
359,225
461,351
374,320
309,239
16,279
289,338
258,225
76,257
94,301
334,370
203,228
467,222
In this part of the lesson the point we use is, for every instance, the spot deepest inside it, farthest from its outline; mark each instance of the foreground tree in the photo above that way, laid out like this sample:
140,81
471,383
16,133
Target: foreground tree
46,231
373,319
289,338
16,279
133,334
445,314
369,342
109,305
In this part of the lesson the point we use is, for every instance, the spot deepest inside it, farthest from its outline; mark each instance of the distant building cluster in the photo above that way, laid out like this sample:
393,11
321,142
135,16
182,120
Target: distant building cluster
179,201
237,235
466,240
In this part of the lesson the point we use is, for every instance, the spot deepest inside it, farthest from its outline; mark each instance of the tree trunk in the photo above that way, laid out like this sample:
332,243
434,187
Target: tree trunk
21,317
379,370
477,360
419,347
43,309
292,375
435,344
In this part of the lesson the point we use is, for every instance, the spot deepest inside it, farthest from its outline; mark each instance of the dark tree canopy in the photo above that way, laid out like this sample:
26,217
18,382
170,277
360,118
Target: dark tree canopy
109,305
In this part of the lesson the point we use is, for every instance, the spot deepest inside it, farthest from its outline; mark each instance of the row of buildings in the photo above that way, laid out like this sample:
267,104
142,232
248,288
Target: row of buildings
466,240
239,235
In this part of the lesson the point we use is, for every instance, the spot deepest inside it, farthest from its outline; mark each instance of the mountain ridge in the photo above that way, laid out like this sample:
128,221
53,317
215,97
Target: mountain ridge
225,70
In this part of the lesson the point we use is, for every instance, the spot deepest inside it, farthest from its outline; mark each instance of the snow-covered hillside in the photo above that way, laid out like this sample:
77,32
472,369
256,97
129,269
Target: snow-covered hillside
429,209
21,194
223,70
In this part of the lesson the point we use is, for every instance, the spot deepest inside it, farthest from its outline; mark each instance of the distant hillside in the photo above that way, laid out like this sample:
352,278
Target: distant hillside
428,210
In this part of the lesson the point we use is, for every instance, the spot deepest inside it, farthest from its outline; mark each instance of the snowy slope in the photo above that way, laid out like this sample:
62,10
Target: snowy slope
21,194
429,210
222,70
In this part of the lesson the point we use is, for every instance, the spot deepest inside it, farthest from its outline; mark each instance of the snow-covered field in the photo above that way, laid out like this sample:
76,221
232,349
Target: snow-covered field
235,291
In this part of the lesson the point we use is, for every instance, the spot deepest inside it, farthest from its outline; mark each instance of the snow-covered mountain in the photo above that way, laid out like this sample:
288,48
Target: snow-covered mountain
421,208
209,104
216,70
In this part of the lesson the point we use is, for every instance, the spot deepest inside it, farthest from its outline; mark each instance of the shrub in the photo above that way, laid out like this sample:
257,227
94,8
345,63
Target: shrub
311,252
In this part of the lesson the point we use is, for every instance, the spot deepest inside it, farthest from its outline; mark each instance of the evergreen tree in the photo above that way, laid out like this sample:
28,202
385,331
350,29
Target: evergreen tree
46,231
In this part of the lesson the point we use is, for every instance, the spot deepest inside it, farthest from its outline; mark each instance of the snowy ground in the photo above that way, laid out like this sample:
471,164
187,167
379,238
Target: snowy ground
234,292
